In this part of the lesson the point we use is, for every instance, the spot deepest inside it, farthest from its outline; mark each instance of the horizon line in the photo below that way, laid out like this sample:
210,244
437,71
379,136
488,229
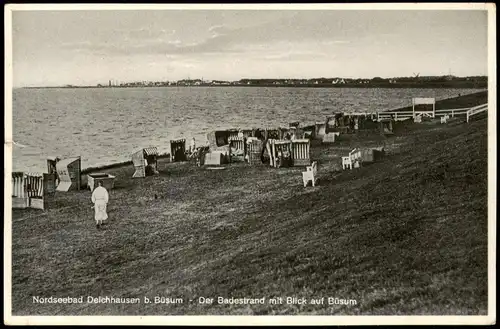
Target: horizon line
104,84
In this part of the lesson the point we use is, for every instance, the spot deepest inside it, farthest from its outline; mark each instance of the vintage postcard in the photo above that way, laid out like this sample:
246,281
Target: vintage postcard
258,164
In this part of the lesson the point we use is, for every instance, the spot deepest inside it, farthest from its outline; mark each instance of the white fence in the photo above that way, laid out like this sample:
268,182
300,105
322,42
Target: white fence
466,111
452,112
401,115
476,110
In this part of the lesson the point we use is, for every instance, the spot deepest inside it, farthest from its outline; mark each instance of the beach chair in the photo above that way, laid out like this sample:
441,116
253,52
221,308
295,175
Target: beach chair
356,156
145,162
301,152
386,127
178,150
29,190
280,153
69,174
310,174
237,149
346,162
330,137
198,156
254,151
51,177
352,160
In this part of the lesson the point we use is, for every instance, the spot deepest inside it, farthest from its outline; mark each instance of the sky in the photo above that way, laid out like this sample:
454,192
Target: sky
90,47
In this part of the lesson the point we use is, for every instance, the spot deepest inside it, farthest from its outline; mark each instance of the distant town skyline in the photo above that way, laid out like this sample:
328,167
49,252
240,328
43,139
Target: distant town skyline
88,47
416,81
336,79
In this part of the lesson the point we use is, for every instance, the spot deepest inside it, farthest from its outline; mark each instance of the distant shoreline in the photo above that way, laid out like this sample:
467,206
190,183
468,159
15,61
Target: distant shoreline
386,86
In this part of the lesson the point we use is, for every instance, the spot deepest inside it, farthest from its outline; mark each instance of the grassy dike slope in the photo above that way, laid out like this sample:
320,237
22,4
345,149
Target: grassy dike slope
463,101
407,235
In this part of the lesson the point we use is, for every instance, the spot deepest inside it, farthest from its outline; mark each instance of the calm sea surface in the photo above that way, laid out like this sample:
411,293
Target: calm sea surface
106,125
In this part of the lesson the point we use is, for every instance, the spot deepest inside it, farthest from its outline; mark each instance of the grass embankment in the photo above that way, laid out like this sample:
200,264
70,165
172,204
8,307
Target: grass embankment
407,235
458,102
90,170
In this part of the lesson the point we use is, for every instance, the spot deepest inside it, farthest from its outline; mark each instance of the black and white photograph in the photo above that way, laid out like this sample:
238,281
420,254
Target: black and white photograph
275,164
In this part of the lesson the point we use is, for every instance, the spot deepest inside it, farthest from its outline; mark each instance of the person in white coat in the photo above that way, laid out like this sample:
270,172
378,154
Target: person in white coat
100,198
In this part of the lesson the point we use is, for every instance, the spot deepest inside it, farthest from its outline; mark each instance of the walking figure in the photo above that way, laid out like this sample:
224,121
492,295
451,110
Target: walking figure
100,199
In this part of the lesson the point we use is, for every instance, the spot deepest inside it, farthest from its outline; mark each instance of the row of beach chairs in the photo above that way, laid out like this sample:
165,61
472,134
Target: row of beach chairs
242,147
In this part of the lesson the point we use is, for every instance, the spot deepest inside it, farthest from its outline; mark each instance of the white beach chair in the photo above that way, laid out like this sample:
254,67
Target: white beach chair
355,155
310,174
346,162
351,161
